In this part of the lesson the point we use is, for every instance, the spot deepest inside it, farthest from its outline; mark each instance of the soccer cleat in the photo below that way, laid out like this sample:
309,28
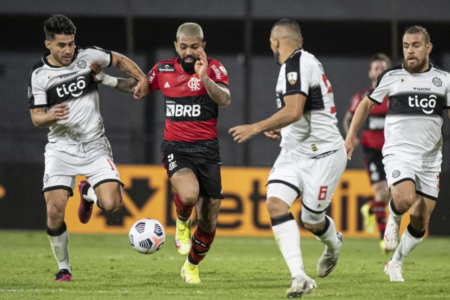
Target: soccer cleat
328,261
183,237
394,271
85,208
190,273
63,275
300,285
391,238
369,219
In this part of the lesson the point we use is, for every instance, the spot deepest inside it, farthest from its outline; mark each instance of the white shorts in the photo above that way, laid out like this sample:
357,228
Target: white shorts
315,179
425,174
92,160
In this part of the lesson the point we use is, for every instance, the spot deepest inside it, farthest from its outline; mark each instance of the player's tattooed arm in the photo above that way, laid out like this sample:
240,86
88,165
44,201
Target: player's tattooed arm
126,85
129,67
218,92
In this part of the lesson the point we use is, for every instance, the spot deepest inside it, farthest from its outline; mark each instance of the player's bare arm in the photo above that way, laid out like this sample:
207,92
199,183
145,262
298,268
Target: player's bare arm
129,67
217,91
292,112
43,119
126,85
360,116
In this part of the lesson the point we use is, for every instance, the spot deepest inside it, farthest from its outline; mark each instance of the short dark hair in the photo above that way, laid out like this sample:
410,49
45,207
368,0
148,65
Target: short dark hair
58,24
289,24
418,29
382,57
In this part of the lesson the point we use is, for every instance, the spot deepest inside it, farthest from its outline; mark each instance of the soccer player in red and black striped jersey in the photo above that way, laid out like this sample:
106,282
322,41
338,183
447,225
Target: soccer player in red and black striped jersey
194,88
372,140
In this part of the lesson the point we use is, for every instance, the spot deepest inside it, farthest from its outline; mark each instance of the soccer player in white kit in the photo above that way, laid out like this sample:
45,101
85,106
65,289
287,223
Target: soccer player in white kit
63,97
312,158
418,93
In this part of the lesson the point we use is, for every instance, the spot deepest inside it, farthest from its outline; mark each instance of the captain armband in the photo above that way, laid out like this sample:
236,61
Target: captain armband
106,79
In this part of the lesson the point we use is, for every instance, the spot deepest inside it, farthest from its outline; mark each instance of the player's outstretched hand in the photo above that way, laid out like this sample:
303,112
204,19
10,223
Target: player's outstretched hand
242,133
61,111
96,69
273,134
141,88
201,65
350,143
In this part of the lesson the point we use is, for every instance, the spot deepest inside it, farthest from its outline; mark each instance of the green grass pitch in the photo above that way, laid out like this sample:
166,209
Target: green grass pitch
106,267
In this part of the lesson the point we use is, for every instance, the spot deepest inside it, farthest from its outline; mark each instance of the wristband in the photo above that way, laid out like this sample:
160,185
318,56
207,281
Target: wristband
106,79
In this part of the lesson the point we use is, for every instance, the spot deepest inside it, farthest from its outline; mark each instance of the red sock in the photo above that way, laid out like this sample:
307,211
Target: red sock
183,210
201,242
379,210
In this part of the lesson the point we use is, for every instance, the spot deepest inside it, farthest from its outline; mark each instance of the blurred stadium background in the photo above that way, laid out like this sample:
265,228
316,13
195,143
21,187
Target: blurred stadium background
342,34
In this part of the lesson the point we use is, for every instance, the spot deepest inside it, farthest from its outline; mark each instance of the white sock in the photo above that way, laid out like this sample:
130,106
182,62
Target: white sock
60,249
287,237
329,238
407,244
393,216
91,196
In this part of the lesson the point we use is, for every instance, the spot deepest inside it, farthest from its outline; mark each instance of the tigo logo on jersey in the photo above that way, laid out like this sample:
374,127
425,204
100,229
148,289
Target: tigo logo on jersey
194,84
75,88
292,77
179,110
423,103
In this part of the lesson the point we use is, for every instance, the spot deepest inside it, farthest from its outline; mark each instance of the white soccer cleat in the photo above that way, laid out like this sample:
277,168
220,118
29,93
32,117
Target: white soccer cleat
394,271
328,261
391,238
300,285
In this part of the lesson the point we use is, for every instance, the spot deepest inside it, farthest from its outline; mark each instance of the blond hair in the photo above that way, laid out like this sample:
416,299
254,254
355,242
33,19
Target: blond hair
190,29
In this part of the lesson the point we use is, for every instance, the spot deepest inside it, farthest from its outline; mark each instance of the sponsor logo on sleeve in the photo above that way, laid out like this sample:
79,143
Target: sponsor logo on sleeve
152,76
30,94
292,77
217,72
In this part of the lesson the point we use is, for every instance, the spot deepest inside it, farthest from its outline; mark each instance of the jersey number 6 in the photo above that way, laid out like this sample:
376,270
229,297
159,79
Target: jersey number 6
323,192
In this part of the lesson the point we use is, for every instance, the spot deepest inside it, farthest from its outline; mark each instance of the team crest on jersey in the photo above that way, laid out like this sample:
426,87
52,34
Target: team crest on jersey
437,81
81,64
292,77
396,173
194,84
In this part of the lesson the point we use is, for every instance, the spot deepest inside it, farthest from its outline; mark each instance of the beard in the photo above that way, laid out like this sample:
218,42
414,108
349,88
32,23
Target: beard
415,69
276,55
188,67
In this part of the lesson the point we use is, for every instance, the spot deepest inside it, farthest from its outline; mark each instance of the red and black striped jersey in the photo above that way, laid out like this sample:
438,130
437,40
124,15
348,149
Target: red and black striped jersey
191,114
373,131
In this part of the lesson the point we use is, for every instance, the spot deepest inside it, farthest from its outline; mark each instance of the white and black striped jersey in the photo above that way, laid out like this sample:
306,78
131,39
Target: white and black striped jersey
414,119
316,132
73,84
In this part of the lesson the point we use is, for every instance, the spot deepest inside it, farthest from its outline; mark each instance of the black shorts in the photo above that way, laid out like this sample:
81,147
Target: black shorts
373,162
205,165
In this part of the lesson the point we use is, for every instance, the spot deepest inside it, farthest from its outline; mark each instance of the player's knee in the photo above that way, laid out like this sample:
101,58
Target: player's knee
189,198
55,212
112,205
403,201
276,207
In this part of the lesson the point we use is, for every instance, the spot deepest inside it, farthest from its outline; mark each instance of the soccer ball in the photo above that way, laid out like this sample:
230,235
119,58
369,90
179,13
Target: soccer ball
147,236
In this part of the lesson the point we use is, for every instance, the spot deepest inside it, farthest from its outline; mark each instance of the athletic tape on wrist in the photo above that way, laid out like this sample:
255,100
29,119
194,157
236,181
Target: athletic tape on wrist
109,81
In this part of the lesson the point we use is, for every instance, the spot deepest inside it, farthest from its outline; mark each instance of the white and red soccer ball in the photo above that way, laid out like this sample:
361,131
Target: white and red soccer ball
147,236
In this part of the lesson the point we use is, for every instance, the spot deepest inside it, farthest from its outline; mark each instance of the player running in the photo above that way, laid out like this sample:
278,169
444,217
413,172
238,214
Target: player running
312,157
63,97
418,93
372,140
194,87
